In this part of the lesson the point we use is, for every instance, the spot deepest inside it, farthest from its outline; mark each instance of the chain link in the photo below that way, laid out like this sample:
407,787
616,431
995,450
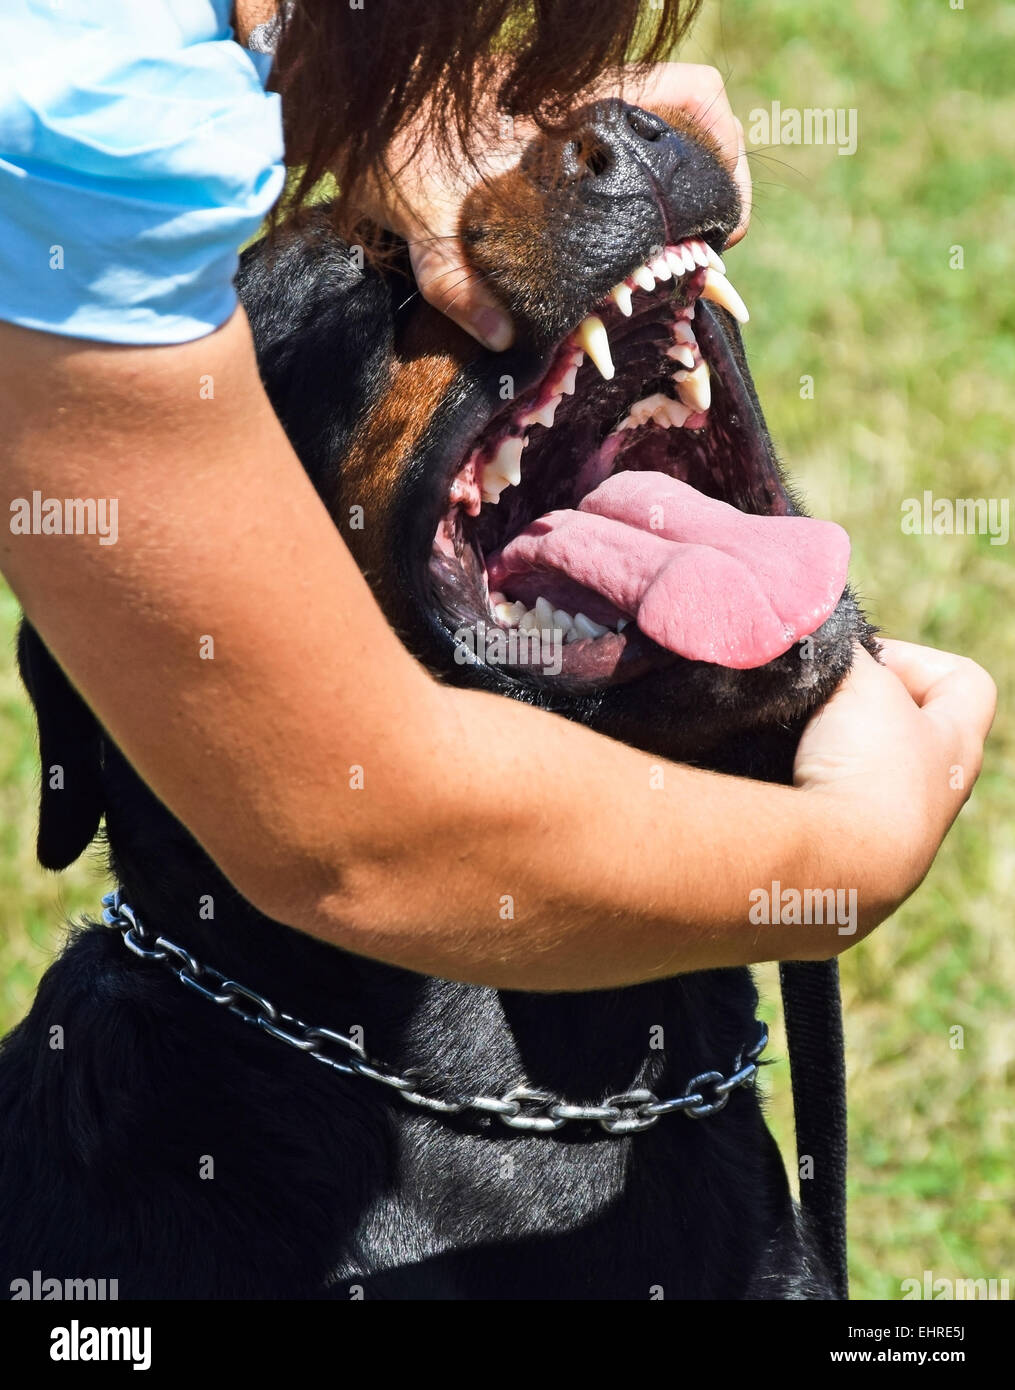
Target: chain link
522,1107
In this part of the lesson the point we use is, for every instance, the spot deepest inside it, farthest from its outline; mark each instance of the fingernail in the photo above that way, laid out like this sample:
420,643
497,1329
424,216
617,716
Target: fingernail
493,328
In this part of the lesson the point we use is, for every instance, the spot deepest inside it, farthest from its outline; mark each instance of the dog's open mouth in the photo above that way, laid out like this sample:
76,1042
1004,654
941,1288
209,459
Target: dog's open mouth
626,508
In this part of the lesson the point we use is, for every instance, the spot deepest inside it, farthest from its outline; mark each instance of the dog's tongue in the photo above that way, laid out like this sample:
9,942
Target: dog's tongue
701,578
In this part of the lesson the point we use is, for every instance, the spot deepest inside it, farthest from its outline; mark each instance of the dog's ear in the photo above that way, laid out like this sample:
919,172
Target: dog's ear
70,747
323,326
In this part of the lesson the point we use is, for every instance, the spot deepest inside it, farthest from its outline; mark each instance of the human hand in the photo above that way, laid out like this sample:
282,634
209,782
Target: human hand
898,748
423,198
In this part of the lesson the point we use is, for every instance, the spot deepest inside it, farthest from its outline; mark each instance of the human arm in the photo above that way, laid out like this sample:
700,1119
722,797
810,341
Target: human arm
467,797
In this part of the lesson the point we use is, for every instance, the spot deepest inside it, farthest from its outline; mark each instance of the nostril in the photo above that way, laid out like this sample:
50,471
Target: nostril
588,155
644,124
597,161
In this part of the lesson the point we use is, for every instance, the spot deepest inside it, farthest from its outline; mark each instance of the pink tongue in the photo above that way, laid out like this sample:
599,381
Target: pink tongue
702,579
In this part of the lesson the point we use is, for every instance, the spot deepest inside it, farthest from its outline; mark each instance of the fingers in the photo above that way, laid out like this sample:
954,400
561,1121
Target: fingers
742,175
954,693
864,681
922,669
448,283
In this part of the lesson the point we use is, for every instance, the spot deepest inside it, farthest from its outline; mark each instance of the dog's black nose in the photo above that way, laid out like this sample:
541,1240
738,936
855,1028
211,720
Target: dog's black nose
620,152
618,143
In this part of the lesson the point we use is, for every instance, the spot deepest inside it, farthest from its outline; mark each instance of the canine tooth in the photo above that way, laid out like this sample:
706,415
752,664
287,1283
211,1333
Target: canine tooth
543,416
680,352
621,296
675,261
659,268
720,291
694,388
491,491
712,259
510,614
644,278
591,336
585,627
544,613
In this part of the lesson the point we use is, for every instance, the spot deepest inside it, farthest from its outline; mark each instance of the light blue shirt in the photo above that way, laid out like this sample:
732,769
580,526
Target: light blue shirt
138,151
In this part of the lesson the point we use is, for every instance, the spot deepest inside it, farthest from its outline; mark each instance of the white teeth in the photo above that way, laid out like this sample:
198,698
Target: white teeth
563,620
680,352
712,259
585,627
684,333
694,388
644,277
720,291
544,613
591,336
662,410
506,463
649,407
543,416
674,260
675,413
545,618
503,470
700,252
688,259
510,614
621,296
660,269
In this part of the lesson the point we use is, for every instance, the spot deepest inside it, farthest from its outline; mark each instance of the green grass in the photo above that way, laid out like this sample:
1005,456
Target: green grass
846,272
33,904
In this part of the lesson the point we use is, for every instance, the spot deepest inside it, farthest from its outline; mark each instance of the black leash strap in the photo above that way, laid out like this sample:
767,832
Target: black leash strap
813,1012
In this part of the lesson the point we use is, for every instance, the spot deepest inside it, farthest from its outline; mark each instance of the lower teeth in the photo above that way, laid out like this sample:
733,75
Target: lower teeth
545,618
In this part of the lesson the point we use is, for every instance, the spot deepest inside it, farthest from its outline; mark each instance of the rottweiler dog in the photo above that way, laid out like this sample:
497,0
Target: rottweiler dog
594,521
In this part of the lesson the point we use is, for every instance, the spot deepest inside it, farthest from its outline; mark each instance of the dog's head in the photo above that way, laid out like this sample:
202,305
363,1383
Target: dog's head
596,519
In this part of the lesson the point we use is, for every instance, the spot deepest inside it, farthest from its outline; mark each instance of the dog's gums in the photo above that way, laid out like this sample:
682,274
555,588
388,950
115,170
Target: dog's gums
617,502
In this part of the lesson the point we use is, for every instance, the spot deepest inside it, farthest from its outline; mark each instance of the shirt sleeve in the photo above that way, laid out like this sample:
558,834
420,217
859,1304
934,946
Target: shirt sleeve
138,151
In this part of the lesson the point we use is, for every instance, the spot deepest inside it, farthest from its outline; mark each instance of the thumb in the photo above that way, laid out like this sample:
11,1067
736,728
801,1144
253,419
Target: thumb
450,284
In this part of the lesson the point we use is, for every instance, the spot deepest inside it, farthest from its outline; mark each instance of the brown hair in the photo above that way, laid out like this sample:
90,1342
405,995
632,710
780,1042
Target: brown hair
353,79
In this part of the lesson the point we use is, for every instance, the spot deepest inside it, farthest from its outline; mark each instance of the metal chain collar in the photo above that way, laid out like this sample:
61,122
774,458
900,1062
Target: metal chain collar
521,1107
